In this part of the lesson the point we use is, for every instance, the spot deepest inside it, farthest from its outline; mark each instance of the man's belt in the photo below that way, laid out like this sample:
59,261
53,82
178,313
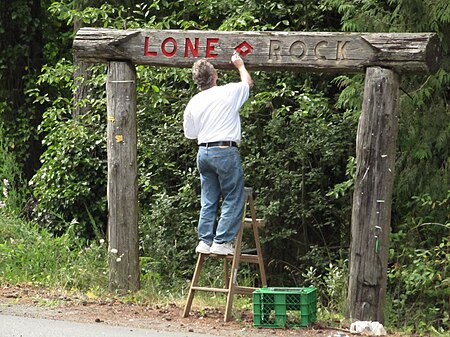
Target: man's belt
221,143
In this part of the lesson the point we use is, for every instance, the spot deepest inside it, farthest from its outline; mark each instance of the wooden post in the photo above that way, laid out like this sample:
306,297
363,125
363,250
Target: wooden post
371,214
122,177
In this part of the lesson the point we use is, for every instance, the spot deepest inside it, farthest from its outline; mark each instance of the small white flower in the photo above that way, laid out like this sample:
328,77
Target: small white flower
118,259
5,188
114,251
102,241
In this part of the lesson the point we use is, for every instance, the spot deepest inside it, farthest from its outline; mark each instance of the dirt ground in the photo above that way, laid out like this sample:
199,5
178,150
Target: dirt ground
30,301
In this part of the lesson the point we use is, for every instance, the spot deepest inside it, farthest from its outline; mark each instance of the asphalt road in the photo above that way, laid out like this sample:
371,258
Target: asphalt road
15,326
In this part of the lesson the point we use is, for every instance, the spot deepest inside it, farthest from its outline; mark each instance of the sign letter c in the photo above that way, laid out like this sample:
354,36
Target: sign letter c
317,51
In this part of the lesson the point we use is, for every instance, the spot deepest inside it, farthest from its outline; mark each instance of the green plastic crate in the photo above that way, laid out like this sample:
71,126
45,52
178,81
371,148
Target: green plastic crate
284,307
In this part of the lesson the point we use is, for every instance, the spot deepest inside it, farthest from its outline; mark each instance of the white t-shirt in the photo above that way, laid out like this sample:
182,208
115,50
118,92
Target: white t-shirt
213,115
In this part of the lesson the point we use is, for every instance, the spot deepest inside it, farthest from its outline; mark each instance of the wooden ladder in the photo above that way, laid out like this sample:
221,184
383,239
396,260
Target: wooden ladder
231,287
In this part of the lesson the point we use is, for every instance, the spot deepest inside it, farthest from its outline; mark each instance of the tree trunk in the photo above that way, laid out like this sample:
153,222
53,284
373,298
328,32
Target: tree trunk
122,178
371,214
81,74
18,68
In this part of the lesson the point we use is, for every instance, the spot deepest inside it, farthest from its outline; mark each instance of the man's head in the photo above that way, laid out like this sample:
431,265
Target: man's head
204,74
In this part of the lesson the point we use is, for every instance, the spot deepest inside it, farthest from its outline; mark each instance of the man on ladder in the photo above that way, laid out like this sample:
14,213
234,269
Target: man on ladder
212,117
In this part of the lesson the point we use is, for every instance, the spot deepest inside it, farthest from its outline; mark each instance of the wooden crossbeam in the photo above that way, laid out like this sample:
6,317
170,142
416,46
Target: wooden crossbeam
311,51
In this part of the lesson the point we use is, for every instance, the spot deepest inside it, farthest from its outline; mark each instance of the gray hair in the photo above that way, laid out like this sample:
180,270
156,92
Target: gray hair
203,74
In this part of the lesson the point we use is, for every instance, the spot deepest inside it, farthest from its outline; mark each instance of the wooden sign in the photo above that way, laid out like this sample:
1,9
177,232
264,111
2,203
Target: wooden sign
312,51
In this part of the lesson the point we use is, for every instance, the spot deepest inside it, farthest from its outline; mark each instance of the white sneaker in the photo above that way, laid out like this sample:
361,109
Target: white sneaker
225,248
202,247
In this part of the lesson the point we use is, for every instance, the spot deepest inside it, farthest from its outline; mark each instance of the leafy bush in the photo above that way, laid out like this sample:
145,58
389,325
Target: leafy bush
12,193
168,237
295,150
70,186
331,285
419,277
29,253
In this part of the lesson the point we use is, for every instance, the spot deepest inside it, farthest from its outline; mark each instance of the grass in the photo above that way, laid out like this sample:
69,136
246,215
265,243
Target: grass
33,256
29,254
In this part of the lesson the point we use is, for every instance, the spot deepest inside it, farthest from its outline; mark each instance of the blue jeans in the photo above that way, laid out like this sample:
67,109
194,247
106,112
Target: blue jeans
221,174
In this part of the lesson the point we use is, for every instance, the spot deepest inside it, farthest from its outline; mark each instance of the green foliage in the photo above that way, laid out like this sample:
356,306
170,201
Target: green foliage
168,236
11,191
22,31
350,98
293,142
70,186
420,272
106,15
424,137
32,254
341,189
168,181
331,285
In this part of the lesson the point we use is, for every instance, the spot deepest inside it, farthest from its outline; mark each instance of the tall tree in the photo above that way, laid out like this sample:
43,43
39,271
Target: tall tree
21,41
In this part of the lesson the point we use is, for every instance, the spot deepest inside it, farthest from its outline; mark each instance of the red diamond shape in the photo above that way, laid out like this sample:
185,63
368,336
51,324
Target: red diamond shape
243,48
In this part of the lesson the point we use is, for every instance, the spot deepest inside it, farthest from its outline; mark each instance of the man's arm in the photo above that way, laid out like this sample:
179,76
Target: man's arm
240,66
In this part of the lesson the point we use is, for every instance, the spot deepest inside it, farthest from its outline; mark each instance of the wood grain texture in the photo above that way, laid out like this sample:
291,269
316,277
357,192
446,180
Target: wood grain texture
122,178
372,198
307,51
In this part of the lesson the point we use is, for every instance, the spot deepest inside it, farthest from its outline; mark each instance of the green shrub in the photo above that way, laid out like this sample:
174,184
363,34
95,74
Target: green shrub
12,192
419,276
168,236
70,186
295,150
29,254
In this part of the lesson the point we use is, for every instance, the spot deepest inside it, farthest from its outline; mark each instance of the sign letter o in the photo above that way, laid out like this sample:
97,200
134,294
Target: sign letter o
174,47
298,49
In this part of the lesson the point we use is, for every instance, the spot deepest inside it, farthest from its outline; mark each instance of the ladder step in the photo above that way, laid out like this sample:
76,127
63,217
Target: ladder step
237,289
250,258
244,290
216,290
259,222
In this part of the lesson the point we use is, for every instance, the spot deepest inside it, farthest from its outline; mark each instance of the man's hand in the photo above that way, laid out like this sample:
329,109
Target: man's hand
238,62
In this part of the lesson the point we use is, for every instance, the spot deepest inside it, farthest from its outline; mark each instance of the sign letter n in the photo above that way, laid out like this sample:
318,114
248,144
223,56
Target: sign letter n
192,48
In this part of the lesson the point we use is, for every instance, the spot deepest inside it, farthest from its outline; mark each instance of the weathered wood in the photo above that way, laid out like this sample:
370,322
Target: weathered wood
82,74
122,177
372,199
311,51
